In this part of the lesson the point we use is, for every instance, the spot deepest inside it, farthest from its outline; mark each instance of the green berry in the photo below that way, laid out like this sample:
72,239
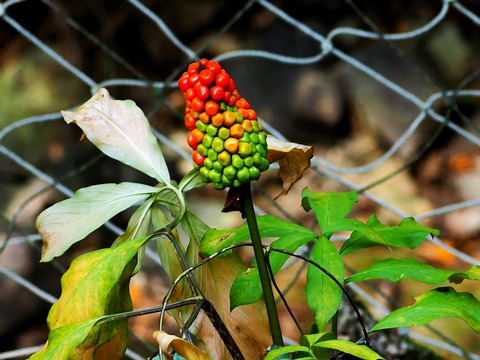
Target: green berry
214,176
226,181
211,130
254,173
239,117
245,137
217,145
204,174
262,138
212,154
201,126
219,186
248,161
225,158
261,150
243,175
217,166
237,161
223,133
208,163
254,138
230,172
244,149
202,150
264,165
207,141
257,159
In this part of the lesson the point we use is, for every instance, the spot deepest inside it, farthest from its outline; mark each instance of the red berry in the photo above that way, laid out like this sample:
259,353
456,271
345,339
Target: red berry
202,91
242,103
194,138
183,83
231,101
190,121
206,76
231,85
217,93
198,105
198,158
190,94
192,68
223,80
214,66
194,78
211,107
226,96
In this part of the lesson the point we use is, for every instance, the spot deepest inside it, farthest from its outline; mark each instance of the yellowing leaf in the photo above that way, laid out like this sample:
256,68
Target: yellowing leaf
63,341
170,343
95,285
293,159
121,130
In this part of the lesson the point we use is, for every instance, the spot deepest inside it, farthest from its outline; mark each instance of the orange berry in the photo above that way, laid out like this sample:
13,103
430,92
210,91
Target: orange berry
231,145
229,118
204,117
217,119
236,131
247,126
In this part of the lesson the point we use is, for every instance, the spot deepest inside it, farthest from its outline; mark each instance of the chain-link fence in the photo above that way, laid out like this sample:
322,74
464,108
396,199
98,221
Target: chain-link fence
387,92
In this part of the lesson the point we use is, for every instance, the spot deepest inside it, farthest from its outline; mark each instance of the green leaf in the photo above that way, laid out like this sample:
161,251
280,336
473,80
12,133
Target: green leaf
139,223
246,289
191,181
290,237
277,354
408,234
443,302
194,227
360,351
311,339
397,270
120,129
138,226
169,197
328,207
323,294
63,341
70,220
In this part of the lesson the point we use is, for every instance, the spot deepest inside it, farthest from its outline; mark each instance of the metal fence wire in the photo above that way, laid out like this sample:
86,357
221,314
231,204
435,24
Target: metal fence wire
387,92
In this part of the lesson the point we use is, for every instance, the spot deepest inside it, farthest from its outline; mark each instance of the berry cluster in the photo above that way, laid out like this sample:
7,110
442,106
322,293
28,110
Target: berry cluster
229,144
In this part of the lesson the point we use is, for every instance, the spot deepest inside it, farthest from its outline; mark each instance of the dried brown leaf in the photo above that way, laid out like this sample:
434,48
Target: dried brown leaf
293,159
181,347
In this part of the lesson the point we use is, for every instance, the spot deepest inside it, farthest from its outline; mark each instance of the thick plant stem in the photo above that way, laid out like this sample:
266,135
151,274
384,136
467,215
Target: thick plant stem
249,213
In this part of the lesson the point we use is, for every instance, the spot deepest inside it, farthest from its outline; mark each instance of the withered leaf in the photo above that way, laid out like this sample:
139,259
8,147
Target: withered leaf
293,159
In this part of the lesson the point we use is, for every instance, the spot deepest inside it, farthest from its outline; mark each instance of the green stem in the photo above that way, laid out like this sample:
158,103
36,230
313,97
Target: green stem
249,212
